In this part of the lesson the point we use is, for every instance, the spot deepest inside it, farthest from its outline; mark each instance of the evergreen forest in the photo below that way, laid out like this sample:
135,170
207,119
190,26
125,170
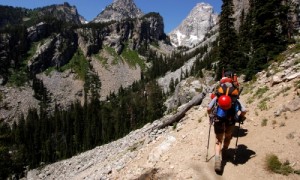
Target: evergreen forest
44,137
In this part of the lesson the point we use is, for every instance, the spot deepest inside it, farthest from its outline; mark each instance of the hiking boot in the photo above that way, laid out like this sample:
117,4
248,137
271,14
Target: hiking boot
218,164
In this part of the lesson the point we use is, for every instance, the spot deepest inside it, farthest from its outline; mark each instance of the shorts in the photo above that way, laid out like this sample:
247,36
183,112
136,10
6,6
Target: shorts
223,127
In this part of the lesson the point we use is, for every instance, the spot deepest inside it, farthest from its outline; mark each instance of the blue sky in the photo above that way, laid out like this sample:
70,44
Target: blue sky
173,11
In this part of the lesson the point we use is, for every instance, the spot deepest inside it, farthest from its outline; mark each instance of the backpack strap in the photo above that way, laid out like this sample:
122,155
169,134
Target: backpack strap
227,91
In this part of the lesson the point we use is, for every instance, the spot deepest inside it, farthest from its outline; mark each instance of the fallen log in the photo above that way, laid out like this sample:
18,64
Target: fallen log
180,114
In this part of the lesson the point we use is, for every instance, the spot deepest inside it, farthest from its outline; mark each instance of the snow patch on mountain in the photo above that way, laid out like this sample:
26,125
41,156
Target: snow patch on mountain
193,29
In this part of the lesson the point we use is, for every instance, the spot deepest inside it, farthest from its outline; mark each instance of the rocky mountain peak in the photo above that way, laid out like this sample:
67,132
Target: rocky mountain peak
118,10
193,29
64,12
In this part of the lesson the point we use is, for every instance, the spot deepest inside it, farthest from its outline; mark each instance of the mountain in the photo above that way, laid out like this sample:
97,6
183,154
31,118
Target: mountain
64,12
47,48
195,26
11,16
179,151
239,6
118,10
64,70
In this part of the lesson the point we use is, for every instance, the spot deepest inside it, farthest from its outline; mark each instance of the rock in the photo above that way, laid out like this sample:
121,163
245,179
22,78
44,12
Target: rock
193,28
293,76
184,92
275,80
37,32
156,153
293,105
1,80
54,52
118,10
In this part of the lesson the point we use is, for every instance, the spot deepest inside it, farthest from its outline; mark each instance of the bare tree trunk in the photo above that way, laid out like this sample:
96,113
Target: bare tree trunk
175,118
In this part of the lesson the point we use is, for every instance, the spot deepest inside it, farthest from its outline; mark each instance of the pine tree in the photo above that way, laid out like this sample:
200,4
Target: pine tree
227,38
268,35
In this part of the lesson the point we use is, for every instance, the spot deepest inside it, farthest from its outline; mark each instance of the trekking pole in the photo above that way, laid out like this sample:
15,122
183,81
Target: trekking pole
236,144
208,141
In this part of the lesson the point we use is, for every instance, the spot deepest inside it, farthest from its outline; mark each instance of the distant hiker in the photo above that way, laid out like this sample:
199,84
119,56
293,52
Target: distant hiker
224,111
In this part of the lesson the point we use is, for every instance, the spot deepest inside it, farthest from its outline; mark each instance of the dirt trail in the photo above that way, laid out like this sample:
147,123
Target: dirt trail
185,156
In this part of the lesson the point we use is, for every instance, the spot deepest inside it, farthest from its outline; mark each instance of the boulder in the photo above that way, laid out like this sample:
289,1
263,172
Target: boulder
275,80
293,76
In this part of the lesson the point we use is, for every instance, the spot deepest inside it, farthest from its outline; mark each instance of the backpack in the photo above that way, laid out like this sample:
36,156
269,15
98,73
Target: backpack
227,90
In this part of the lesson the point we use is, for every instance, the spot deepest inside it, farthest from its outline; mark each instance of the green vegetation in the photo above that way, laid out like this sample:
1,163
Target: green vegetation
79,64
291,135
250,100
282,56
132,58
32,50
42,137
151,14
135,146
297,84
247,88
113,53
258,41
200,120
104,61
174,126
274,165
18,78
263,104
261,91
264,122
282,124
47,138
284,90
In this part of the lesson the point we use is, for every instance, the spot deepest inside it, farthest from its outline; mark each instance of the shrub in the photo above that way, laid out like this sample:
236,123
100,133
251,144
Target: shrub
290,135
264,122
79,64
259,93
281,124
199,120
174,125
274,165
297,84
262,105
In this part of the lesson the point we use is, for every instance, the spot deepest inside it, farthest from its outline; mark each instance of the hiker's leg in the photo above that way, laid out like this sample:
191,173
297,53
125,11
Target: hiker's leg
228,135
219,140
219,131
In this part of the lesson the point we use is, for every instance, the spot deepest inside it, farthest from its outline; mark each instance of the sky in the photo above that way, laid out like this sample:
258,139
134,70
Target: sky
172,11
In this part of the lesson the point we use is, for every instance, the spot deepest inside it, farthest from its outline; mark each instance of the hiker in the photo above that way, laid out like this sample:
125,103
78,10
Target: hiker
224,111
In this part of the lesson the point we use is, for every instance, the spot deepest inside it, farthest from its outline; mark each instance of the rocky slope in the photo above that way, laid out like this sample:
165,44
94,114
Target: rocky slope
239,6
195,26
179,152
101,47
119,10
164,81
64,12
22,16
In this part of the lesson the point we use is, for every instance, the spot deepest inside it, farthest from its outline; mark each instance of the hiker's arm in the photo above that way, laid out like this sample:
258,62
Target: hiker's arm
243,112
211,105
